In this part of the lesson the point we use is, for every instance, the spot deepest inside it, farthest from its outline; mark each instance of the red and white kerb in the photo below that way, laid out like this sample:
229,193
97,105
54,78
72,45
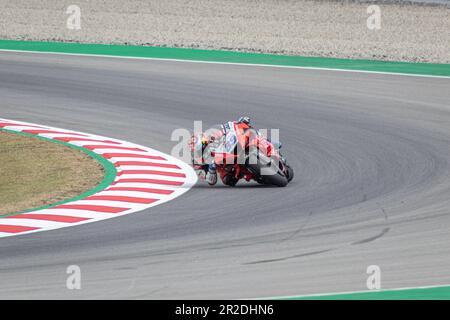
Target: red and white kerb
145,178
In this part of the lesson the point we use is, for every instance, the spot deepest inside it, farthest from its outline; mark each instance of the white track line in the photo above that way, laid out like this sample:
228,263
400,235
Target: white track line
228,63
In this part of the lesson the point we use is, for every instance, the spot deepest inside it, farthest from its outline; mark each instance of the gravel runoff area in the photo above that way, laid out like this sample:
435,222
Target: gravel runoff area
294,27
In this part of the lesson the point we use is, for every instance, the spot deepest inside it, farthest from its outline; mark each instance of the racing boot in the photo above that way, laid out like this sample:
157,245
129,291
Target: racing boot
200,170
201,174
211,175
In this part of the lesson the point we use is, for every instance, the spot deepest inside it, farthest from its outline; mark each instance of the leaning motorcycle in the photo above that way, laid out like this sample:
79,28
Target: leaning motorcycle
240,154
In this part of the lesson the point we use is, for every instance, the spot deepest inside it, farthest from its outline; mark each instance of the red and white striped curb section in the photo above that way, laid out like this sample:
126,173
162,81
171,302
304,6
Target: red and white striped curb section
145,178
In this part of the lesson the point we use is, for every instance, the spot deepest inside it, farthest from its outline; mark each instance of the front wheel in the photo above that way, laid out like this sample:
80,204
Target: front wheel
289,173
267,172
276,179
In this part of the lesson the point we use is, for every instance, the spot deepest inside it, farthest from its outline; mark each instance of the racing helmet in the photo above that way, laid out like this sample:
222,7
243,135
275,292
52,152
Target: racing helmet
244,119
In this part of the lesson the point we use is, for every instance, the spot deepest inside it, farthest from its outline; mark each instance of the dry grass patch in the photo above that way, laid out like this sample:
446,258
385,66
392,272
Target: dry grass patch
35,172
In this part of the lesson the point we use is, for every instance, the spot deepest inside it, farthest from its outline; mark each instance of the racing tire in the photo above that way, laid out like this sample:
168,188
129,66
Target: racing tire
229,180
275,180
290,173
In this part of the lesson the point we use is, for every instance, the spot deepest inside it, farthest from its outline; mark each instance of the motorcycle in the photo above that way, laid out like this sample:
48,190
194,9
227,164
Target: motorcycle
240,153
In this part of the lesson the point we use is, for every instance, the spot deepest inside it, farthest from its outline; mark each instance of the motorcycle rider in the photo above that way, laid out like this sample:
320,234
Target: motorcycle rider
208,171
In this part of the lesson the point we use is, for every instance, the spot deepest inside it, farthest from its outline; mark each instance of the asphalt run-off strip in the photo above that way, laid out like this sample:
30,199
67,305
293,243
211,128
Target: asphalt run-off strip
230,57
136,178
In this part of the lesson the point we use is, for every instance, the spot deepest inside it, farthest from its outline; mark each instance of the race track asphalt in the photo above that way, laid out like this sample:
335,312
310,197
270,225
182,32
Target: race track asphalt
371,154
